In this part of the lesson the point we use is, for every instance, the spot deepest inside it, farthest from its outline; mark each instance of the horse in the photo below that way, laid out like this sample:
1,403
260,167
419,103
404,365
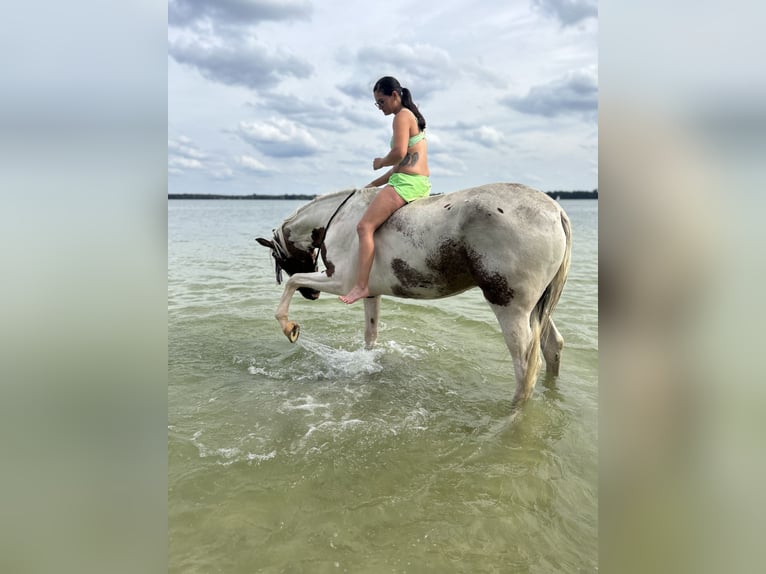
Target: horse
511,241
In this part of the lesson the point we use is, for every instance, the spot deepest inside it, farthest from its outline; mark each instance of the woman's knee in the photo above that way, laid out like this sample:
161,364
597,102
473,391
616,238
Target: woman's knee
364,228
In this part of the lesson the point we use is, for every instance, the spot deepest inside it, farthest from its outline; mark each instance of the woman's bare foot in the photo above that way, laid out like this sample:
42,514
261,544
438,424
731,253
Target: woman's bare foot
354,295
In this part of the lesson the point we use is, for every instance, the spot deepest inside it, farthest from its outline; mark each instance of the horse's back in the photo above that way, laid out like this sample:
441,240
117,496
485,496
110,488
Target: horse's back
475,237
511,199
514,214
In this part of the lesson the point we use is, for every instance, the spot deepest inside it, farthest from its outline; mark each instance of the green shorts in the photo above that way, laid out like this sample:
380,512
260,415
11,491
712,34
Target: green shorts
410,187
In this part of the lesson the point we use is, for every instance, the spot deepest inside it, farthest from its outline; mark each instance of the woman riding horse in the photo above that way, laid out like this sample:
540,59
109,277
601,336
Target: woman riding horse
406,181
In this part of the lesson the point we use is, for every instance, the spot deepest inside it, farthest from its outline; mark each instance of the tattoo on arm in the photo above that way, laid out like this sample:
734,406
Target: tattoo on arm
409,159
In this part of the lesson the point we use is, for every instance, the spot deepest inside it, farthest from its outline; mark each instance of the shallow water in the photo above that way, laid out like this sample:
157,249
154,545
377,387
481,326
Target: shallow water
324,457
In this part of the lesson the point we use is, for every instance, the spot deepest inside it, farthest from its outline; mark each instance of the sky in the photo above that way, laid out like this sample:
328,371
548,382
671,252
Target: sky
275,96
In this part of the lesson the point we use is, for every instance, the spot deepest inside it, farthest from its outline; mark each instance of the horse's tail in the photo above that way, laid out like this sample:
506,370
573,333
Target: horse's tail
540,319
532,359
552,294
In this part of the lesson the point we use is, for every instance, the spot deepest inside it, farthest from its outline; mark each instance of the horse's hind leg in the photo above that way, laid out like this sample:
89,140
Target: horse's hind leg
371,312
552,343
523,345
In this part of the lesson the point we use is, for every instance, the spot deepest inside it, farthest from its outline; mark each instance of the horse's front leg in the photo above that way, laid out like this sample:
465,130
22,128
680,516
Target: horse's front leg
371,313
318,281
289,328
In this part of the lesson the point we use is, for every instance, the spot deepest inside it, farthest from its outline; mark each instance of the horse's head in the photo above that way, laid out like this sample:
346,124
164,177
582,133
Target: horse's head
297,243
292,259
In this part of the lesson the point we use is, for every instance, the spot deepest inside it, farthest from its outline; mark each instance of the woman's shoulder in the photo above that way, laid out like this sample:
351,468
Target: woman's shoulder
407,118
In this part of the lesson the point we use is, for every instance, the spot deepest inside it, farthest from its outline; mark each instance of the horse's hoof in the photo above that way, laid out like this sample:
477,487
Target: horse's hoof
292,331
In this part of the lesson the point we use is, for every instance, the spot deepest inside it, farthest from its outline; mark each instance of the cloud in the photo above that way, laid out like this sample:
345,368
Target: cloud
484,135
424,68
484,75
320,113
215,38
222,173
568,12
252,164
315,113
183,146
236,12
421,67
577,92
487,136
279,137
238,62
182,163
183,155
356,90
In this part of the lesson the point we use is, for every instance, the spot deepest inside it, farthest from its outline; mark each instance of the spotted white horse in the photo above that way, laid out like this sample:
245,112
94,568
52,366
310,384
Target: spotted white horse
511,241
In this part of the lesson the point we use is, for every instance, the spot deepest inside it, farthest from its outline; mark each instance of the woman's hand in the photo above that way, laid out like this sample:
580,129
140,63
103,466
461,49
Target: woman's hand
377,163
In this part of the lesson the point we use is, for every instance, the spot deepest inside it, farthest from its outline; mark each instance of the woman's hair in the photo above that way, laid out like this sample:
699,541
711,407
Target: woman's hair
387,85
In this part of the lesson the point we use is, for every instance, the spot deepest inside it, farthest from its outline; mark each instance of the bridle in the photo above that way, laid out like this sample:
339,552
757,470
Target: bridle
279,254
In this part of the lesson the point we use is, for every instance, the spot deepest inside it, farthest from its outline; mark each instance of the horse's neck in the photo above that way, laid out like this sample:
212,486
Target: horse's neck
314,215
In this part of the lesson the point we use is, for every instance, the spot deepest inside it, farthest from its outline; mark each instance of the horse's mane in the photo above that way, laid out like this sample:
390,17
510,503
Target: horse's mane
327,197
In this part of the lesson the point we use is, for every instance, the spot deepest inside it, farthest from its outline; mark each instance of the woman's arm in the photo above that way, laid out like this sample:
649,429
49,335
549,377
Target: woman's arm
382,180
400,140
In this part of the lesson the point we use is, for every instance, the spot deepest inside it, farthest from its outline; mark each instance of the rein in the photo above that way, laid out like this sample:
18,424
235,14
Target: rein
329,221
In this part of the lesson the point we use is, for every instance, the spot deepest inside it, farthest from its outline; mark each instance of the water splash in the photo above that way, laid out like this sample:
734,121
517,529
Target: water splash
334,362
339,362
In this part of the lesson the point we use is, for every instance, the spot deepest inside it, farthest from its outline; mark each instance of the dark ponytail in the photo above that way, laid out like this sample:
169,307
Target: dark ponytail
408,103
387,85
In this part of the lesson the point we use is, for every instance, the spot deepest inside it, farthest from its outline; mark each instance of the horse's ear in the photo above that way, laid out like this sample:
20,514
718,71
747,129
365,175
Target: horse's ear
265,242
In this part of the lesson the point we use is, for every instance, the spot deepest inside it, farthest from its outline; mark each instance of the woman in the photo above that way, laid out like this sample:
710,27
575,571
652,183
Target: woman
406,181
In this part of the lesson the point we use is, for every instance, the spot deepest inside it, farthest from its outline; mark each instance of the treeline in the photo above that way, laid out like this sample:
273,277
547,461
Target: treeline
573,194
554,194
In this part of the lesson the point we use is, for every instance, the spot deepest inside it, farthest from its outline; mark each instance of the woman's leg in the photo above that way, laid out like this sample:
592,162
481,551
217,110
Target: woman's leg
383,205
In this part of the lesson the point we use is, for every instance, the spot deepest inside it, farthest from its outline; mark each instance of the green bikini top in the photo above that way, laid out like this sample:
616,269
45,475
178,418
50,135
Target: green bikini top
413,140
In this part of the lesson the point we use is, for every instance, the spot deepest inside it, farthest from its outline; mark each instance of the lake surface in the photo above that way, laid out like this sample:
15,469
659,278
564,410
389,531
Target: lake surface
321,456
